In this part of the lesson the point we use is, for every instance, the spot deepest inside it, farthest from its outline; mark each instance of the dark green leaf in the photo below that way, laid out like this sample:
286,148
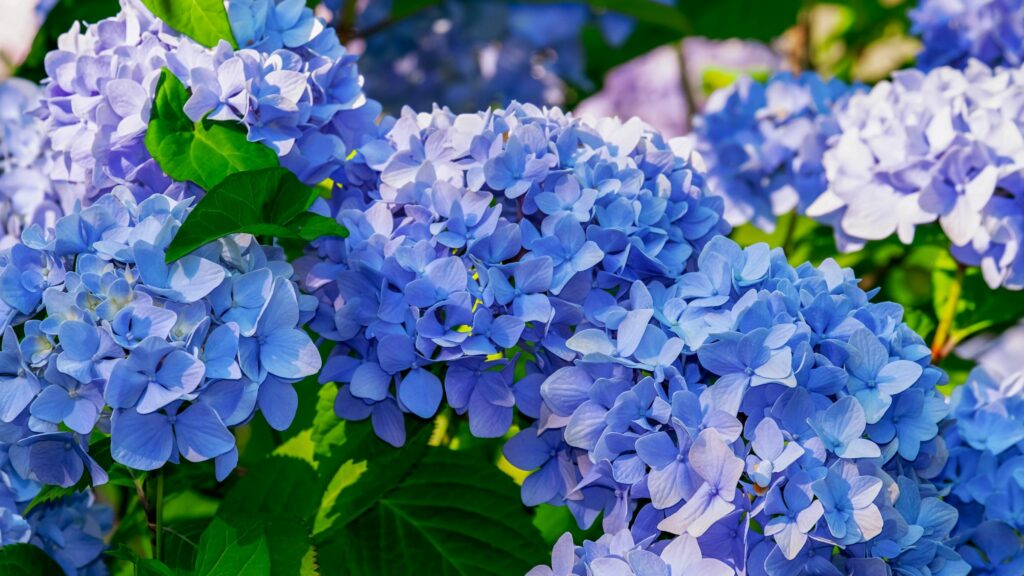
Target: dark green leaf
754,19
151,567
181,542
269,201
355,466
277,546
553,521
450,515
27,560
311,226
278,487
648,12
291,548
205,21
51,493
404,8
202,152
228,550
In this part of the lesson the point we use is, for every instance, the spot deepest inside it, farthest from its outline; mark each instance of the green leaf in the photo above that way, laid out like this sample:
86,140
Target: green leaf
554,521
205,21
227,550
269,201
278,487
311,226
291,548
51,493
753,19
151,567
280,494
203,152
27,560
355,466
449,515
646,11
181,542
979,307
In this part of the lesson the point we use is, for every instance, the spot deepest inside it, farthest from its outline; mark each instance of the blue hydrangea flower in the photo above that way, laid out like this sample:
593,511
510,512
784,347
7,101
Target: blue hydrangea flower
28,195
476,267
292,86
159,346
763,144
915,150
697,455
953,33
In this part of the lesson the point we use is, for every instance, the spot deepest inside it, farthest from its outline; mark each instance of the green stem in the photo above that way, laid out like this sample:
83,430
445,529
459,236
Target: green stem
159,535
346,25
787,239
807,49
939,344
689,96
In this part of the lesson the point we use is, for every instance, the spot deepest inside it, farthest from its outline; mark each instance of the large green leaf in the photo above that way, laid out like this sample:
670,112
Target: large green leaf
181,540
226,549
269,201
203,152
205,21
278,487
453,514
27,560
754,19
280,495
355,466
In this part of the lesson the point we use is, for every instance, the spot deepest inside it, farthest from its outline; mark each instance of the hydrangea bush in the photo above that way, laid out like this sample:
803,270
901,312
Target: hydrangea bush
481,240
250,324
790,402
177,352
291,84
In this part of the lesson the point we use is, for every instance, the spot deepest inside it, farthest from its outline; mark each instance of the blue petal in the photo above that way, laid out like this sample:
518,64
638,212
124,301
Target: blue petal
141,441
201,434
420,392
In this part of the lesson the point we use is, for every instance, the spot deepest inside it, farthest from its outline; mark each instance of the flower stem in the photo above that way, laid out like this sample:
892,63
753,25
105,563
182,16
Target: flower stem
158,536
939,344
689,95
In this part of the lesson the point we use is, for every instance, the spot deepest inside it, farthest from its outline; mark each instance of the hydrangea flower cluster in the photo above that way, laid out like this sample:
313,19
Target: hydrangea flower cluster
70,530
944,145
956,31
985,473
764,143
164,357
27,195
479,242
746,393
472,55
292,86
619,553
